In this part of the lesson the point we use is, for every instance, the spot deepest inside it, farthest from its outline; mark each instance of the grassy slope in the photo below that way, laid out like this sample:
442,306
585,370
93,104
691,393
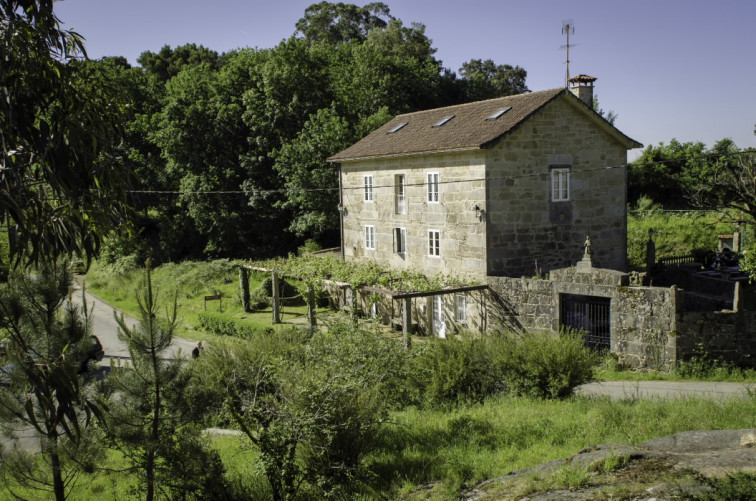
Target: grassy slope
191,281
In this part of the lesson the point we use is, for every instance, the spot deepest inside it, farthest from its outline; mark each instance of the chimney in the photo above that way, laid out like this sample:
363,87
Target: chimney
582,87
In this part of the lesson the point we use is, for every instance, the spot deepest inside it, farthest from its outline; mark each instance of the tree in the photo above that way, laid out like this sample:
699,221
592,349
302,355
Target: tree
48,342
662,173
726,182
62,190
486,79
168,63
610,116
338,22
151,421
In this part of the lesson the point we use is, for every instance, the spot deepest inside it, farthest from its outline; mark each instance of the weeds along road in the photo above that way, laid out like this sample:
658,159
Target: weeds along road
105,327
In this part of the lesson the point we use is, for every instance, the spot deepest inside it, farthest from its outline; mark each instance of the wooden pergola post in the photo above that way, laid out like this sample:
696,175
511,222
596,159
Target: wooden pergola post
406,321
276,299
311,306
244,286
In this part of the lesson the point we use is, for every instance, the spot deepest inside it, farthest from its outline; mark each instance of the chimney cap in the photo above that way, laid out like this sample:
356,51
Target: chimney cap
582,79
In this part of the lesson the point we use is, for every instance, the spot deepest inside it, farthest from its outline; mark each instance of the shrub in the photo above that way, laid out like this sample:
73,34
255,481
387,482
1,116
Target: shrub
311,404
702,366
223,325
544,365
738,485
455,370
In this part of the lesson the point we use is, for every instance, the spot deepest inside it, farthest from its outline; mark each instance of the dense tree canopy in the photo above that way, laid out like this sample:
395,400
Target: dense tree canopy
228,151
660,173
168,63
486,79
338,22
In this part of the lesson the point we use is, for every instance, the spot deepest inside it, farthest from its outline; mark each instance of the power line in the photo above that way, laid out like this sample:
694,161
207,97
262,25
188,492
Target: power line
708,156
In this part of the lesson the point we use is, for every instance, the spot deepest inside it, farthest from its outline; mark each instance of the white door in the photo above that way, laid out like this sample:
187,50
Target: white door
439,325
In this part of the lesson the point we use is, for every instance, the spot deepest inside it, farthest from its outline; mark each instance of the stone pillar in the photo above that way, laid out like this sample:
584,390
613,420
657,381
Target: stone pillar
276,299
244,286
650,253
311,306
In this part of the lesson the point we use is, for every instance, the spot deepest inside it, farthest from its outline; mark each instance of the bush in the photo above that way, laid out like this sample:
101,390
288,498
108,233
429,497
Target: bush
223,325
704,367
738,485
312,404
455,370
544,365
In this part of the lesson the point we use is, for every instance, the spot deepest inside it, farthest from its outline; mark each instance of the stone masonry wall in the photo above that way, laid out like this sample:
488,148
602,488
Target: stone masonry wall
461,187
730,335
525,226
643,319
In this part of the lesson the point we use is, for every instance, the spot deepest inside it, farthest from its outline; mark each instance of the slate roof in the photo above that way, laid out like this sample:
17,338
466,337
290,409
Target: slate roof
469,129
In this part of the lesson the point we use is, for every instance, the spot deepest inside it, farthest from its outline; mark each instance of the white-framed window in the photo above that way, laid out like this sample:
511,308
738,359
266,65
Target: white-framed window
400,194
560,184
461,308
434,243
368,185
400,240
433,182
370,237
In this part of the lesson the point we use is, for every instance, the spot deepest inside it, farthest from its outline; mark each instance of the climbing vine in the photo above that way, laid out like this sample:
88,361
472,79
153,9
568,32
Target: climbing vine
313,270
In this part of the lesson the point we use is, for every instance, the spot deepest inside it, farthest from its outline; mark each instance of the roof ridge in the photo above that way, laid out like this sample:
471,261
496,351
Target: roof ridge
555,90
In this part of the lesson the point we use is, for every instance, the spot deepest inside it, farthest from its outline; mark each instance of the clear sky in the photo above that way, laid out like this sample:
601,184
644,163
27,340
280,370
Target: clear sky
680,69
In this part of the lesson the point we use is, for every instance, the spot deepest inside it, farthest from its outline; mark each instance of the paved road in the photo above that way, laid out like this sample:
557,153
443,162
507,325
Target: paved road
105,327
665,389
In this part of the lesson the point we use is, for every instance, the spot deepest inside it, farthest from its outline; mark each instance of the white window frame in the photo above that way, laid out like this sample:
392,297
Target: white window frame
461,308
434,243
370,237
433,180
400,194
561,178
400,241
367,183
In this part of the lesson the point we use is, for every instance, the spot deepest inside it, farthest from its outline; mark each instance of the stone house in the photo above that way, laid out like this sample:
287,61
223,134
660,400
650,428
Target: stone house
498,188
502,187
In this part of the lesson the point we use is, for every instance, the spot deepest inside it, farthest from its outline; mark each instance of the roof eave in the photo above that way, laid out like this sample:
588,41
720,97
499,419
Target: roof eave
407,154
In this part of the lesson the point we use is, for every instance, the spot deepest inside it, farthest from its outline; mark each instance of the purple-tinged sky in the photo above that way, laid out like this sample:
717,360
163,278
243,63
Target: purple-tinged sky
669,68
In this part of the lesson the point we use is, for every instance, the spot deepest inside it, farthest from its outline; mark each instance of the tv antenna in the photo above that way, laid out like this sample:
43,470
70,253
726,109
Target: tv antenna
567,27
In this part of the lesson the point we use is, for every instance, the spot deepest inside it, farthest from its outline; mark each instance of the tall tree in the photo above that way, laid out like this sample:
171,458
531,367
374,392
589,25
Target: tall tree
48,344
486,79
61,189
338,22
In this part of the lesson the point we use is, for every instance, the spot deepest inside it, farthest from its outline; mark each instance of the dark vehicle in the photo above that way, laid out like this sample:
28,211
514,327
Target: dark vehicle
95,353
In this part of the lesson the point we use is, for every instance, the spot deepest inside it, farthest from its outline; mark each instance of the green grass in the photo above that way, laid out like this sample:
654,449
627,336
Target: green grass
695,369
464,445
191,281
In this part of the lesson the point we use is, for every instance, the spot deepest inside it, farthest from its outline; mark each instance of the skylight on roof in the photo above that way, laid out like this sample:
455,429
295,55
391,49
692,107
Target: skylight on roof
499,113
397,127
443,121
